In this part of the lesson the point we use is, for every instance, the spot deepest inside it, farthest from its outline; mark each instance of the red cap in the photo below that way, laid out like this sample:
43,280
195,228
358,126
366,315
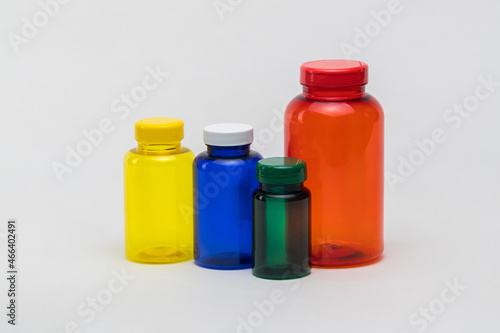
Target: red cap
334,73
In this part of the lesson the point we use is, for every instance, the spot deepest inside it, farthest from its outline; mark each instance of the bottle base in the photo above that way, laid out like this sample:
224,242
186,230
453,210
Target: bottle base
342,255
158,255
226,261
280,272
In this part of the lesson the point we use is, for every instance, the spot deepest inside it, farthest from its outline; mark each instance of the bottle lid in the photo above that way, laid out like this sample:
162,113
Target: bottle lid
281,171
159,130
334,73
228,134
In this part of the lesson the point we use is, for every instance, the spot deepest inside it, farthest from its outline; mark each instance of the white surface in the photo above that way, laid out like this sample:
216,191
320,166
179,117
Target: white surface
442,222
228,134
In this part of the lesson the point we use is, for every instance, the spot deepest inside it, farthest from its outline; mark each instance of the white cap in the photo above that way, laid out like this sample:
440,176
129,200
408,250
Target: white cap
228,134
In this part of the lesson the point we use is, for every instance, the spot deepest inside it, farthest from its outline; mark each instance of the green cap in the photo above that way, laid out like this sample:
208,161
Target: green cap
281,171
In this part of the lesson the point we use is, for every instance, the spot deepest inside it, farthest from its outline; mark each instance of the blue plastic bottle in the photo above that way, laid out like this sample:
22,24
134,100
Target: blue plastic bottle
224,181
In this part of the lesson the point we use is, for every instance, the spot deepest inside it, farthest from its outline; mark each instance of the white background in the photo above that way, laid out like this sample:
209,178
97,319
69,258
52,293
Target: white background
441,223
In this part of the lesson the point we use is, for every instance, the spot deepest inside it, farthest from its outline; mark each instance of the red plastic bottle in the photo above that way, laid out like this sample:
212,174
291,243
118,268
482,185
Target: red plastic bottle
338,130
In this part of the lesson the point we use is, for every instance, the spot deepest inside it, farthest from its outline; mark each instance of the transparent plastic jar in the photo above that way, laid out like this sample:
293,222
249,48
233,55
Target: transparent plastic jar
338,130
282,220
224,177
159,194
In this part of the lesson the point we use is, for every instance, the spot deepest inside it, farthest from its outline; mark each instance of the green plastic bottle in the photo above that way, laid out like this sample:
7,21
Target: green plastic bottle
282,220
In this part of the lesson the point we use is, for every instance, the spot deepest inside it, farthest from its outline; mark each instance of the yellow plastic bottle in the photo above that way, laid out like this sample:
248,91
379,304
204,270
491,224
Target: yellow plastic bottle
159,194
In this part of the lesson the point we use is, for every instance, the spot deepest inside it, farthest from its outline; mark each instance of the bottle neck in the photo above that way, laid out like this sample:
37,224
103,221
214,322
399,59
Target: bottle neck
229,151
333,94
159,148
281,189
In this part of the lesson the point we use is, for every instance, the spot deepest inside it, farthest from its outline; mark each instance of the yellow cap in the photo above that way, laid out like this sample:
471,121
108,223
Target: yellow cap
159,130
